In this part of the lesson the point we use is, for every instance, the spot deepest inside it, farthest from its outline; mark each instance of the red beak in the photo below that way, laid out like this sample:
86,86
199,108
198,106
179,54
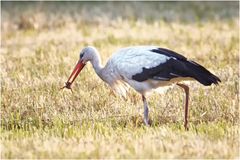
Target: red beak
74,74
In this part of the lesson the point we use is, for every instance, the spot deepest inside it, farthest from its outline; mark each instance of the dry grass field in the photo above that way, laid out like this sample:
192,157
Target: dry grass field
40,44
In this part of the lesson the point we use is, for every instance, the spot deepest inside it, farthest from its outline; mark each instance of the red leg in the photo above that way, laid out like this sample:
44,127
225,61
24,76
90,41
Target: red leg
186,89
146,120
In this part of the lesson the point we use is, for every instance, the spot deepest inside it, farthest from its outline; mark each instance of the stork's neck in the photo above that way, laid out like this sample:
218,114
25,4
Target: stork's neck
96,63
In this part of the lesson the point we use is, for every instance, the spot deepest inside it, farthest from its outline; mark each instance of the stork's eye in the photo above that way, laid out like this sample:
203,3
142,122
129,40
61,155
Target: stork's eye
81,55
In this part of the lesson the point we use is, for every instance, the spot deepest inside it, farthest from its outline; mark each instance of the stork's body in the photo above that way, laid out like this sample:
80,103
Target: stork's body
144,68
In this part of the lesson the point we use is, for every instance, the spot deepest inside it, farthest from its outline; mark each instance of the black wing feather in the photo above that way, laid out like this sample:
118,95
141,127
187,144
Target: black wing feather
176,66
169,53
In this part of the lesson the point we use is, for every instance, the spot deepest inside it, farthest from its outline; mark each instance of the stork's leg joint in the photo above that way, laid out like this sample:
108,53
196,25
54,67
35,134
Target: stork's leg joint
146,110
186,89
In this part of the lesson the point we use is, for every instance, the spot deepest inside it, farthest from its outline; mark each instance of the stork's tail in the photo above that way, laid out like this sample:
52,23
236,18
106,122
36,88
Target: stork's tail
201,74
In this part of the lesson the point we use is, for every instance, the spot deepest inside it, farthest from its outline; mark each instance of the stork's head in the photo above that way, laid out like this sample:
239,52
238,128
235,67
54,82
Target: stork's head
87,54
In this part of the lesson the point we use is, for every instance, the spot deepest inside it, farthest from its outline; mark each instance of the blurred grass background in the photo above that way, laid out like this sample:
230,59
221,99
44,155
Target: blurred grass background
48,14
40,44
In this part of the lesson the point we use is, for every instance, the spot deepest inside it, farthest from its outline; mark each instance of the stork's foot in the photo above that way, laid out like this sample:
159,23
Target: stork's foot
186,89
146,119
146,122
186,127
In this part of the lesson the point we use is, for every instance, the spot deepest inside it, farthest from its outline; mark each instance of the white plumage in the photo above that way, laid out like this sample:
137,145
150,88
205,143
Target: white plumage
129,61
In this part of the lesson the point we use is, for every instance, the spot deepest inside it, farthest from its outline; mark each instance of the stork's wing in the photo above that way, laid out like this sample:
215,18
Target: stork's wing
131,61
143,63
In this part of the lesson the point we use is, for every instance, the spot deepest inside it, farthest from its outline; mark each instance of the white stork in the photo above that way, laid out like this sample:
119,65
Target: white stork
144,68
